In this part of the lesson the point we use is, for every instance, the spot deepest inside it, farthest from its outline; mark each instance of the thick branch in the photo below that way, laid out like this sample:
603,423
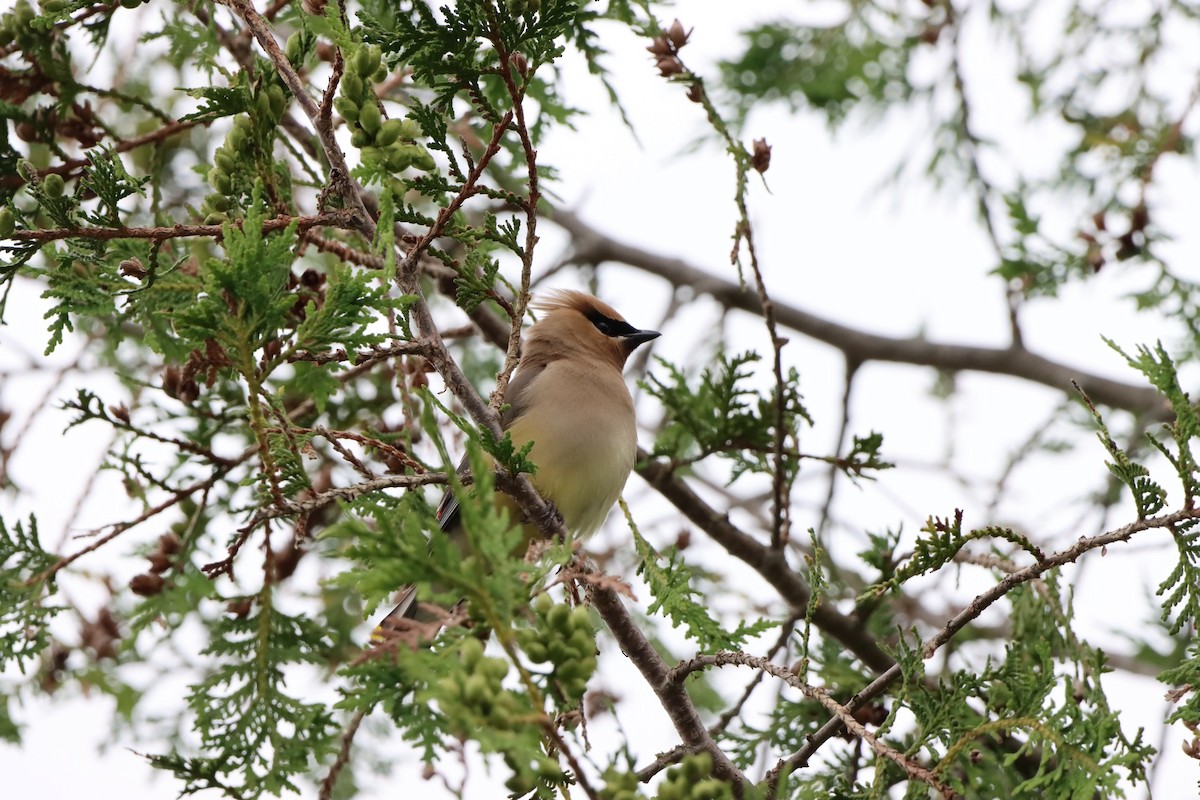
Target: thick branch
593,247
670,692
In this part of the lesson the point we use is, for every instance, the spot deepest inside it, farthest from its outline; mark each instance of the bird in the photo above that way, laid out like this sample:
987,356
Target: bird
568,397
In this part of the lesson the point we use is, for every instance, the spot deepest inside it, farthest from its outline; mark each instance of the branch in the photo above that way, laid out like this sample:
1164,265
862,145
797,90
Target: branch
593,247
976,607
286,508
70,165
744,235
343,757
177,497
673,756
362,357
408,274
510,63
842,713
670,692
331,219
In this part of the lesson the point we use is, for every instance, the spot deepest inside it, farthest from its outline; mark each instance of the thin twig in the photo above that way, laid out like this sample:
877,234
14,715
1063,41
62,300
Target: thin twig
510,63
336,219
343,756
119,528
287,508
362,357
843,431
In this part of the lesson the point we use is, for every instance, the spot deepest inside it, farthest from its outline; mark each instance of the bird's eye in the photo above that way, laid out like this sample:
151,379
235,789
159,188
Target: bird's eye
608,326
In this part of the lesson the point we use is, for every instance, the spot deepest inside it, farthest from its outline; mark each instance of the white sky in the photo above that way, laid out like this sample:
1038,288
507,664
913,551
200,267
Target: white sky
896,261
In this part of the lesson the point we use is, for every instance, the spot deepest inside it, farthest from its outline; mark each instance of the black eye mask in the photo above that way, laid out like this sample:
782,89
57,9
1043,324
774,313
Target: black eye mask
609,326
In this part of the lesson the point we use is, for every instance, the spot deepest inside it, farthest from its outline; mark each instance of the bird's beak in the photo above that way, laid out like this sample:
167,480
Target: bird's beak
634,340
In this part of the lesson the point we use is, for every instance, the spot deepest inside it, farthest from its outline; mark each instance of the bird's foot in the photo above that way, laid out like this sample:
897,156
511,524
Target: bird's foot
551,519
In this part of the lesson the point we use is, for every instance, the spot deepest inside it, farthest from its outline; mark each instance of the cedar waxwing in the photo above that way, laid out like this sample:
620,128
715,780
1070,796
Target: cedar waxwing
568,396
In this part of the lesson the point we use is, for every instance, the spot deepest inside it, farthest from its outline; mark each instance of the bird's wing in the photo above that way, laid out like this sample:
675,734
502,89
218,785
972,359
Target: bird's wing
447,510
517,401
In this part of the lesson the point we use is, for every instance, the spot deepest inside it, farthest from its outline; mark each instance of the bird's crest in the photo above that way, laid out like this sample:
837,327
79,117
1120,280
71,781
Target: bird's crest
569,299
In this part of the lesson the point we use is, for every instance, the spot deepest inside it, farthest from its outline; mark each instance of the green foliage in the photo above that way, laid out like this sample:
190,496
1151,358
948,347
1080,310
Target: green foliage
107,179
431,696
458,49
1159,369
692,780
1184,680
255,736
724,415
1181,588
24,590
9,732
258,417
1148,496
863,457
832,70
244,301
221,101
351,302
79,284
673,585
392,550
475,279
1033,260
1046,711
945,538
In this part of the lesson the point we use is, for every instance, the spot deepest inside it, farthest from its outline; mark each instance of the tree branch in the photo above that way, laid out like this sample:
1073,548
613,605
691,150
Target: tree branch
331,219
593,247
670,691
976,607
841,713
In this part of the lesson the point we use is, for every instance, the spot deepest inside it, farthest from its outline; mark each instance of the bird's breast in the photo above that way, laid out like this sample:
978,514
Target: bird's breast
585,441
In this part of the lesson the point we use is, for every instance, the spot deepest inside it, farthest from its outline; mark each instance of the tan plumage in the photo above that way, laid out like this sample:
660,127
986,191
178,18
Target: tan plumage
568,396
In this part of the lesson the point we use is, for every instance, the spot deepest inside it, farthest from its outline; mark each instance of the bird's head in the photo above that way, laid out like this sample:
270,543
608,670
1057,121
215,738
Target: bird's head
577,323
